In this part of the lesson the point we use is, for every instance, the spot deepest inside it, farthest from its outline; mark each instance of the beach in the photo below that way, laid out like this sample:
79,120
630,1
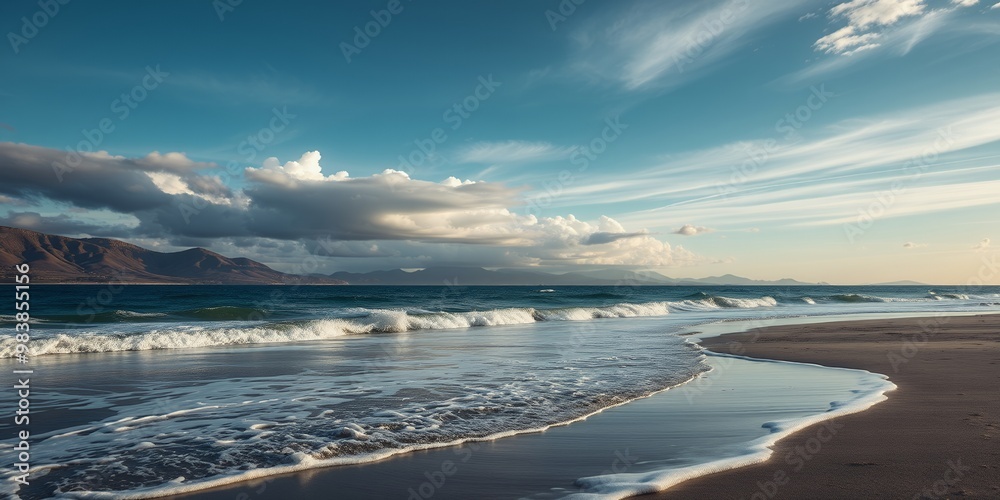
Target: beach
497,392
932,438
935,437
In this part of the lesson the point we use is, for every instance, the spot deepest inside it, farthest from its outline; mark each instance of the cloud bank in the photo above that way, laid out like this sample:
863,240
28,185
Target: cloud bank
385,215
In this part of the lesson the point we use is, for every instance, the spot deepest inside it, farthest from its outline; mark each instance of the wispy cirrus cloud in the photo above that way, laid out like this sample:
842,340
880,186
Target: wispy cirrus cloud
656,44
511,152
943,155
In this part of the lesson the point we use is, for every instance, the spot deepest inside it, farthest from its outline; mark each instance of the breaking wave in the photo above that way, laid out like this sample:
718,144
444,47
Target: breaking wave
366,321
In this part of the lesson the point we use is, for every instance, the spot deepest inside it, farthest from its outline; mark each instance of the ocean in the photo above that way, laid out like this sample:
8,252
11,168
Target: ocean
147,390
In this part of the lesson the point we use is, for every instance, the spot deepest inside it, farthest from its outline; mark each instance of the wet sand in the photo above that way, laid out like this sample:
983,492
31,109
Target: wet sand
935,437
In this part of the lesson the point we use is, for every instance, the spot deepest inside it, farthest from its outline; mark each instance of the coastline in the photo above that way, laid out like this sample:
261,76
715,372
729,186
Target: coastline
772,343
538,461
932,438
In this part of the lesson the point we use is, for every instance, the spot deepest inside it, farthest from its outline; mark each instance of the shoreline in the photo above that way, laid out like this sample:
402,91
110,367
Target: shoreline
723,345
930,439
734,340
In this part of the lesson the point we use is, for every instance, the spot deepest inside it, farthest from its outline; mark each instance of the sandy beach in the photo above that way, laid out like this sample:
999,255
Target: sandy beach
935,437
932,438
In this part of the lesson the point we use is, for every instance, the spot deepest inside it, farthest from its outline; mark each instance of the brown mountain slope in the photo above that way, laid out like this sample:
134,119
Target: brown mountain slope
58,259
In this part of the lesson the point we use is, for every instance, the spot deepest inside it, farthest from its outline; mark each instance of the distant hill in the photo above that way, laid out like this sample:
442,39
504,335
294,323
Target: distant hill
58,259
901,283
480,276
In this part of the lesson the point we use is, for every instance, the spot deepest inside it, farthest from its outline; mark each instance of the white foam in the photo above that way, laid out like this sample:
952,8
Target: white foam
368,321
616,486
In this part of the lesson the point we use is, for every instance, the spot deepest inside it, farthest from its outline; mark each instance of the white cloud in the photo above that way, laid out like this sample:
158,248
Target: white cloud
689,230
825,178
982,245
873,23
865,13
865,18
382,216
510,152
655,45
911,245
306,168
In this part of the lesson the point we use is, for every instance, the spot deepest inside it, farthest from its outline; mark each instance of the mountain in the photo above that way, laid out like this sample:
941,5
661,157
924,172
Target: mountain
480,276
730,279
901,283
58,259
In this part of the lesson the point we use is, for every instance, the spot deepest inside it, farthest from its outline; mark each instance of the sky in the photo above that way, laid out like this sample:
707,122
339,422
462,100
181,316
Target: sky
845,142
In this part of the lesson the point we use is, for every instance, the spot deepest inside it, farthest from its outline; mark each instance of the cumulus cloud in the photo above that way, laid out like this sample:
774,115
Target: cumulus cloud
383,216
510,152
872,23
910,245
690,230
865,18
982,245
306,168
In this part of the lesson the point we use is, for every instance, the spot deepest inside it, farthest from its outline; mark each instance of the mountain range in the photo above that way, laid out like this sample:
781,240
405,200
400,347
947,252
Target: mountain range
480,276
60,259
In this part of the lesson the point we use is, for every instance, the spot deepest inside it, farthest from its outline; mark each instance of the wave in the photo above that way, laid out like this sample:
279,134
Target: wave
856,297
711,302
943,296
225,313
365,322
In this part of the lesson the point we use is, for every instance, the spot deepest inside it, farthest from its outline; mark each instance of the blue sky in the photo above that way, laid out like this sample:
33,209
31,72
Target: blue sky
846,142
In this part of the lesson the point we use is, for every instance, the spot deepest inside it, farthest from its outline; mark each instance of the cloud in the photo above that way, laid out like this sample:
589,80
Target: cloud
656,45
995,6
982,245
876,23
385,216
62,225
7,200
689,230
933,154
910,244
306,168
865,13
510,152
601,237
866,18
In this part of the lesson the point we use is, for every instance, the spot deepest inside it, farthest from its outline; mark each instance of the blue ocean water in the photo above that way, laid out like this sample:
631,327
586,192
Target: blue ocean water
156,388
